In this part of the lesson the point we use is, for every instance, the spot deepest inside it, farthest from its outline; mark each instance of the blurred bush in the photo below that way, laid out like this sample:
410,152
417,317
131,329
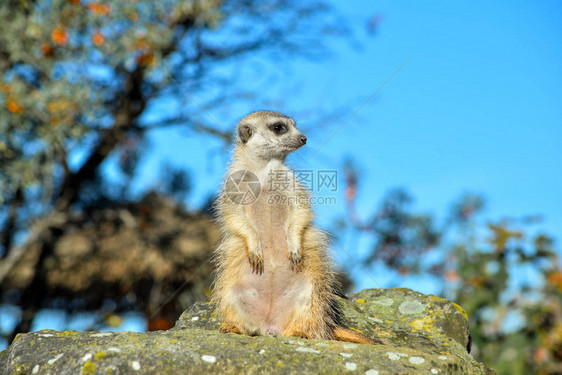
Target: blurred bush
507,275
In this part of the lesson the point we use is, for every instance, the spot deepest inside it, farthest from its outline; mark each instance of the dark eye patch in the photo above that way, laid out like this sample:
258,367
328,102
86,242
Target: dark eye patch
278,128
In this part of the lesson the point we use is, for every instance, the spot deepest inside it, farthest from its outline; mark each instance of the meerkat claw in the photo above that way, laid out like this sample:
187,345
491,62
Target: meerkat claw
295,261
294,254
256,262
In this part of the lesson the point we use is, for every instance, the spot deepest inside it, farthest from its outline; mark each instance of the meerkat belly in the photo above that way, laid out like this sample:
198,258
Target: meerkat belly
270,299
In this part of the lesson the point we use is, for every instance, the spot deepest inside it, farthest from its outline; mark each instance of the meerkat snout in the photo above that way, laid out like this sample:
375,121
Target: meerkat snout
303,139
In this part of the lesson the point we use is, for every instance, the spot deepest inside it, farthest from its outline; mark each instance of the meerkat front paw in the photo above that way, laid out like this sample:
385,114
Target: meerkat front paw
295,256
256,260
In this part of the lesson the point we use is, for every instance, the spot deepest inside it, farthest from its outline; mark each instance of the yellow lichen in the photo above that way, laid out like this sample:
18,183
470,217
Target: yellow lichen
460,309
99,355
89,368
439,299
361,300
355,329
417,324
457,307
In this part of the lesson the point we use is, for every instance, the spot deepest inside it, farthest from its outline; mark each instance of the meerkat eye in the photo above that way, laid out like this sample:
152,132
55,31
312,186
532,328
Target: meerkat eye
278,128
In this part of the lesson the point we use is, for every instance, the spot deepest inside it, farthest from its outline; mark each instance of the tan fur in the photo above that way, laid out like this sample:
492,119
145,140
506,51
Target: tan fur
348,335
273,272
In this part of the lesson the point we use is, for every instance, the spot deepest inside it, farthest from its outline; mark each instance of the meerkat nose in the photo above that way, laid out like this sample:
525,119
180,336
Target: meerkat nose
303,139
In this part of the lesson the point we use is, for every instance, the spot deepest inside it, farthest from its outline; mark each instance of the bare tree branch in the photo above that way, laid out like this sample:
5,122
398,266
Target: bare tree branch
131,107
8,232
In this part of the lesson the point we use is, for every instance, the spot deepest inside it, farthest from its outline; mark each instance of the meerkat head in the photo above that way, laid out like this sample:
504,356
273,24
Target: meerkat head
269,135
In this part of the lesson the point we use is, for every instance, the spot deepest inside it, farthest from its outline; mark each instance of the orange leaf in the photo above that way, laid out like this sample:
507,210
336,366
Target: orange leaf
98,38
146,59
59,36
402,270
13,106
350,193
540,355
451,276
555,279
476,281
47,50
100,9
141,44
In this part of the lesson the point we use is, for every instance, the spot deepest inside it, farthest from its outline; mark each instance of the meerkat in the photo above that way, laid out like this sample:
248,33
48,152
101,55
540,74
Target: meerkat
273,272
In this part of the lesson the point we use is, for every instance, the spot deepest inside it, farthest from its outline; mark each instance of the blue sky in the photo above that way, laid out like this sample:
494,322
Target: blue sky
477,108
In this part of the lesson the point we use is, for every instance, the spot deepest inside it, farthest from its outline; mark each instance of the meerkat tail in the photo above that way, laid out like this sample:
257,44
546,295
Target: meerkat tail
343,334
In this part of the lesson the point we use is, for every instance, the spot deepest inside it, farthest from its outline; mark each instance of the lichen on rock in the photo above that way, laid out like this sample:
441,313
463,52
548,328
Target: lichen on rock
421,334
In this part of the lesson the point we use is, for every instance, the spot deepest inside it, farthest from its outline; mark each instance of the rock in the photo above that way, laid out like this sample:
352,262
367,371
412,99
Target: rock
421,334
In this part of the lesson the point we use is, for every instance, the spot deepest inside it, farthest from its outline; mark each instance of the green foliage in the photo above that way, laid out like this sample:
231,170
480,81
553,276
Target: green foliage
508,281
506,275
401,236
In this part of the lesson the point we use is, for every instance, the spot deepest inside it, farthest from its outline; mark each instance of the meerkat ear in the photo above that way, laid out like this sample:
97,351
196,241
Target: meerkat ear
244,132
